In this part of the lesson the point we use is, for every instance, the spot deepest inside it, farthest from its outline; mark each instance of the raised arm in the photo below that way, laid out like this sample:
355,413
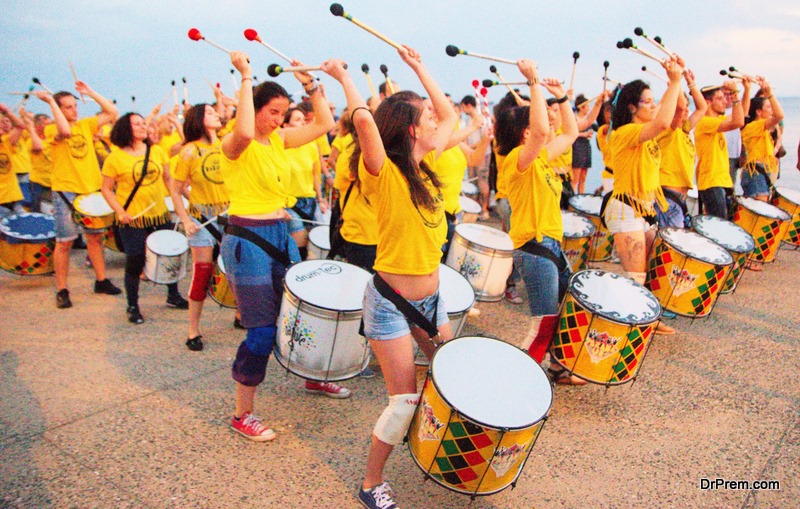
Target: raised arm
700,104
591,116
109,113
666,108
61,122
777,109
537,119
244,130
323,118
736,120
569,125
475,124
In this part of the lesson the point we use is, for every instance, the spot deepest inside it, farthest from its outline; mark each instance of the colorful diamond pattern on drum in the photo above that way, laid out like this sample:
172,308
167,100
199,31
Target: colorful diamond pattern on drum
658,271
735,274
39,259
709,289
793,234
632,354
569,332
466,447
765,239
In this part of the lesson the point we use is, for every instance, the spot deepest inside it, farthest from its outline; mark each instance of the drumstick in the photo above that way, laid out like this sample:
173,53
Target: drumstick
36,80
25,97
275,70
453,51
251,35
389,85
575,57
133,102
628,44
731,75
185,91
365,70
145,210
75,77
233,80
309,221
644,68
213,219
605,75
175,92
740,74
490,83
476,86
195,35
655,42
493,69
338,10
485,93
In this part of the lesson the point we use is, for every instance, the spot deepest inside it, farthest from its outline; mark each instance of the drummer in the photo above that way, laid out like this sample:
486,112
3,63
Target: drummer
631,209
13,155
197,176
75,171
761,167
255,169
397,170
523,137
146,211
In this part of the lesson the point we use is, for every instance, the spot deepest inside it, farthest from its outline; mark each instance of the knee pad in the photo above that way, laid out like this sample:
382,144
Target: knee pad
639,277
540,335
200,279
248,368
260,340
393,423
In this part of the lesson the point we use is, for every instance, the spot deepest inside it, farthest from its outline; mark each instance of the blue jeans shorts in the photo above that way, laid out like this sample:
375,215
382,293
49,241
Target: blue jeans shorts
544,284
308,206
754,185
203,237
383,321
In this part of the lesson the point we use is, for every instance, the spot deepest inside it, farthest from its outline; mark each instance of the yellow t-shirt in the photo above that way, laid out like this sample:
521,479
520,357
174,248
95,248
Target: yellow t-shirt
360,221
534,197
602,145
20,153
168,141
636,169
257,181
410,239
227,128
677,157
502,179
304,163
126,170
713,168
562,164
760,148
324,145
345,145
199,163
450,167
42,166
75,166
9,186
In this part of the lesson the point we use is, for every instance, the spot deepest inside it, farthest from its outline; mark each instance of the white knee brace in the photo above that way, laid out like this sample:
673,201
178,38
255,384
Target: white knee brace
639,277
393,423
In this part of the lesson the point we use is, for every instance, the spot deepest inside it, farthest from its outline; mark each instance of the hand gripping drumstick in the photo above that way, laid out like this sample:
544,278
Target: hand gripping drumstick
36,80
140,214
477,87
365,70
493,69
251,35
275,70
740,74
575,57
651,73
75,77
655,42
627,43
338,10
389,84
453,51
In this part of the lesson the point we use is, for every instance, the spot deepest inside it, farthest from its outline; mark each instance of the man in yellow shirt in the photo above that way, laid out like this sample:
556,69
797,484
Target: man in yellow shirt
75,171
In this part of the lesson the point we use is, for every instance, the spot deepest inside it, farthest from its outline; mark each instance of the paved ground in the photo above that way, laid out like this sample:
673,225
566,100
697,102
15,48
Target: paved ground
96,412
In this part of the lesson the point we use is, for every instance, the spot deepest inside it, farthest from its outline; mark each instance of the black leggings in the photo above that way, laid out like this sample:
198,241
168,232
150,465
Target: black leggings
134,241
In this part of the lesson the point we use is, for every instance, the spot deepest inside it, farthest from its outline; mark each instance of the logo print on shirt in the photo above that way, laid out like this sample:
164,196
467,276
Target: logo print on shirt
210,168
153,172
78,147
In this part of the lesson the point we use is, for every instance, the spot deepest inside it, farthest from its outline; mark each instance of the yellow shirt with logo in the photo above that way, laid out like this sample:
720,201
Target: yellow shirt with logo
450,168
75,166
760,147
636,169
502,179
677,157
534,197
21,154
42,166
713,167
126,170
304,163
257,180
410,238
9,186
199,163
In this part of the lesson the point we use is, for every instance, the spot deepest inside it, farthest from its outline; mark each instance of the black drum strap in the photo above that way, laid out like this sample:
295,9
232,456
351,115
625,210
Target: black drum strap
536,249
410,312
272,251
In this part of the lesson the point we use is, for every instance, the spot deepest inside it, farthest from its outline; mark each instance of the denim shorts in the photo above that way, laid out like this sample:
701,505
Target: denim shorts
383,321
66,227
308,206
203,237
544,284
672,217
621,218
754,185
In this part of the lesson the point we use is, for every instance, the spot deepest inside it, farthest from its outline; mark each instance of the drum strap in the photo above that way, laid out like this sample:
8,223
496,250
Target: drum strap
336,239
66,200
272,251
624,198
214,233
410,312
302,214
141,178
537,249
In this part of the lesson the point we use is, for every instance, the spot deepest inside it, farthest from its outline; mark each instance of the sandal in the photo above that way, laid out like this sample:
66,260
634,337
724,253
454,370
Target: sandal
561,376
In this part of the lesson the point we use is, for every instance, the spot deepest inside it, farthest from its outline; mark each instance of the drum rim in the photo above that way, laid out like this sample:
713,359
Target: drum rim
740,202
612,318
472,304
581,217
479,248
781,195
8,233
344,313
320,228
708,218
482,227
79,198
493,427
690,255
289,291
583,196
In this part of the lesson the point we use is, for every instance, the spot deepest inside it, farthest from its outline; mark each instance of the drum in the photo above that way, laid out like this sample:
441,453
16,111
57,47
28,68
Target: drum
459,297
788,200
92,211
732,237
219,289
319,243
602,241
27,241
687,271
469,189
471,208
171,208
578,234
166,257
320,316
692,203
482,407
110,239
483,255
605,327
766,223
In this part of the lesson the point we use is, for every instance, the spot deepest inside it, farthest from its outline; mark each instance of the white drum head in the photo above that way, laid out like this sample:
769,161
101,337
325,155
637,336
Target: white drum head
469,188
328,284
171,206
485,236
491,382
221,264
692,193
469,205
167,243
587,203
93,205
763,208
320,237
729,235
576,225
696,246
614,297
790,194
455,289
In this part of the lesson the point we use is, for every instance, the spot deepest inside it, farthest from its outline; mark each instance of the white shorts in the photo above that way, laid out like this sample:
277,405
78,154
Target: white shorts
621,218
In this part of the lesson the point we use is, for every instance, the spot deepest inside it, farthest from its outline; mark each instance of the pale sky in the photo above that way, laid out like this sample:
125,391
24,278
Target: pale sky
125,48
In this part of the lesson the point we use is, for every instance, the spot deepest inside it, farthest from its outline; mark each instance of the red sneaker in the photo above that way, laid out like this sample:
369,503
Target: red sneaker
327,389
251,427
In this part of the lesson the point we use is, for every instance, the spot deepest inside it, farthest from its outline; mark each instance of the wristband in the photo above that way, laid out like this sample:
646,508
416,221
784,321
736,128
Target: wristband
562,100
355,110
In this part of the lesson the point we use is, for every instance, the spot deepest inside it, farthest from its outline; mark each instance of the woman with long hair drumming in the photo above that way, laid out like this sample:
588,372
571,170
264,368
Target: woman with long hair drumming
635,122
147,211
761,168
197,175
257,248
398,153
534,194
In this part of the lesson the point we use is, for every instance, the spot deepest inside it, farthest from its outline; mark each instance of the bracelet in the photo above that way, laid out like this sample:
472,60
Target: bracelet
247,78
562,100
359,108
532,83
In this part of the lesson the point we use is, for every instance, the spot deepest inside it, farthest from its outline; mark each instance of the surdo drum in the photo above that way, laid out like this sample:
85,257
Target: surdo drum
602,241
166,257
766,223
319,243
92,211
219,288
788,200
732,237
27,241
578,233
483,255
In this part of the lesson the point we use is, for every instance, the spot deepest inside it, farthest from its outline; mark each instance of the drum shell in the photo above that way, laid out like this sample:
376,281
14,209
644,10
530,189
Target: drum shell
578,344
602,242
792,235
485,268
318,250
219,288
28,258
576,249
319,344
110,240
89,220
165,269
666,267
766,231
